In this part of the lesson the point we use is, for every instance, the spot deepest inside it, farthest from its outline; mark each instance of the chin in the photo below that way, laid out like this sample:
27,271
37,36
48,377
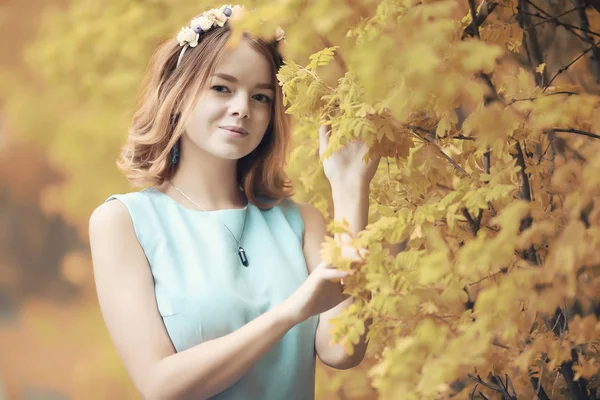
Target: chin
234,154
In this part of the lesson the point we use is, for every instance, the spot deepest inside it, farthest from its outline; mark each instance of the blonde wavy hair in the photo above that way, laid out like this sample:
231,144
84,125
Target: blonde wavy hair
169,96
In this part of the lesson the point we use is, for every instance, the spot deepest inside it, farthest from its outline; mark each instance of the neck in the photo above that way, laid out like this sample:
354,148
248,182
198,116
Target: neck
208,180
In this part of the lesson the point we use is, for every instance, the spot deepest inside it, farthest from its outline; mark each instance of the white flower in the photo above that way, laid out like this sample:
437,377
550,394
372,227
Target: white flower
210,16
187,35
204,22
194,42
220,18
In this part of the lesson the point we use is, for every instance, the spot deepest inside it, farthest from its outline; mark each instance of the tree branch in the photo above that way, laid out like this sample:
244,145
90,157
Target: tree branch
595,4
474,24
577,132
425,139
584,26
487,6
487,163
566,370
566,67
586,37
564,25
439,149
504,388
547,14
487,385
473,392
550,19
462,137
538,389
473,30
531,42
472,223
525,194
535,98
524,189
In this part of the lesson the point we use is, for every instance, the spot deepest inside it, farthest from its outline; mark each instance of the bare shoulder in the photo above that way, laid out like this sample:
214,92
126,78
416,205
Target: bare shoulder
110,217
310,213
314,221
125,291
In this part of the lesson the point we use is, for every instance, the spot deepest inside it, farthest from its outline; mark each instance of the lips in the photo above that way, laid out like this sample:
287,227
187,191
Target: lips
239,130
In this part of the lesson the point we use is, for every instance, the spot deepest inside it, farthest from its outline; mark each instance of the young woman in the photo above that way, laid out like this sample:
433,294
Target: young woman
210,279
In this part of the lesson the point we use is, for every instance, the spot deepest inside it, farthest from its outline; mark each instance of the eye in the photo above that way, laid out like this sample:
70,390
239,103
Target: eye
219,88
264,98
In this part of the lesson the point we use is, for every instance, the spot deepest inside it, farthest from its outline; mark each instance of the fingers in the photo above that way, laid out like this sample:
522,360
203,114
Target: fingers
324,133
334,274
349,252
327,271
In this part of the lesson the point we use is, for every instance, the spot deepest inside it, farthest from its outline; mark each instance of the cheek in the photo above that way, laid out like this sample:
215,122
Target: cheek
205,114
264,117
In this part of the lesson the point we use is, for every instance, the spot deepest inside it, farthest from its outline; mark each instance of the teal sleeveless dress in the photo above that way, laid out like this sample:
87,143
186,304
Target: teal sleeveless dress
204,292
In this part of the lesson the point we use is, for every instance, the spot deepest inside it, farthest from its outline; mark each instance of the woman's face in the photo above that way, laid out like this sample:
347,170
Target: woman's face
239,96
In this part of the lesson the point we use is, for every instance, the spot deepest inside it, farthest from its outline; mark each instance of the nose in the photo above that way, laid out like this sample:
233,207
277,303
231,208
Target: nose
239,106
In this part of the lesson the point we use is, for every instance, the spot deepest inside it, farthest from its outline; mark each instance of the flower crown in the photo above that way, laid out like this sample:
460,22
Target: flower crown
189,36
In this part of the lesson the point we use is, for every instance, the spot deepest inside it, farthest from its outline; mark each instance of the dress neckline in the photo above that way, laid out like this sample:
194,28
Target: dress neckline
194,210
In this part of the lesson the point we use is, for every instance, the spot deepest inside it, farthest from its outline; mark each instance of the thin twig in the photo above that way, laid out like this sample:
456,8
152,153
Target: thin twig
536,98
487,385
503,387
498,344
418,128
473,392
550,15
566,67
545,151
584,26
486,277
565,25
550,19
577,131
413,128
439,149
509,383
462,137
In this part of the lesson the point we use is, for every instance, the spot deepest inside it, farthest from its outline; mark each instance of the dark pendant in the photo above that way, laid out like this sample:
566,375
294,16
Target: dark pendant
243,257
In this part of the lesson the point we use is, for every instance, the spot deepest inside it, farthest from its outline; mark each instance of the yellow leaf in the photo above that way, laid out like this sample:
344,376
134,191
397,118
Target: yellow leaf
540,68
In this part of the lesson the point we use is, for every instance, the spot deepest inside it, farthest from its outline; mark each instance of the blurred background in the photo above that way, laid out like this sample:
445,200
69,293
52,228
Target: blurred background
70,73
69,77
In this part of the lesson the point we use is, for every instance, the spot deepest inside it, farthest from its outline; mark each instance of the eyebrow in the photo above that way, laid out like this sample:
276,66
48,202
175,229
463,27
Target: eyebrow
234,80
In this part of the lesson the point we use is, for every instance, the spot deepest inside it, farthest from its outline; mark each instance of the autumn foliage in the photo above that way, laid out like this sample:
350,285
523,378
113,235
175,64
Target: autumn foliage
487,118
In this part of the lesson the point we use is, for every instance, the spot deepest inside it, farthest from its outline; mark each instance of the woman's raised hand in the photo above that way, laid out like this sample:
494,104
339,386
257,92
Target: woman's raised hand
345,168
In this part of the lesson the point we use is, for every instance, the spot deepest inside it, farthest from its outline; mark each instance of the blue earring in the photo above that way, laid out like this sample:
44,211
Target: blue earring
175,153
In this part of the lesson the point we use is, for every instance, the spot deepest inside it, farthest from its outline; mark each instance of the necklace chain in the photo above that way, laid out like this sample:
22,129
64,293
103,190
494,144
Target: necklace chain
238,242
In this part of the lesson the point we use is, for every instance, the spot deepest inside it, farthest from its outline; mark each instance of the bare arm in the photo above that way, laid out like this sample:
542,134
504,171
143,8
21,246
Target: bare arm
126,294
331,354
